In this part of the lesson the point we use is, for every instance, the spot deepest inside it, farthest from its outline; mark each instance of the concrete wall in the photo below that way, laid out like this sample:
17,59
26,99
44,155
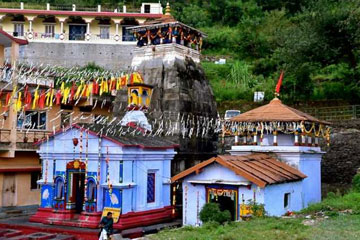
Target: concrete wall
116,57
23,193
274,198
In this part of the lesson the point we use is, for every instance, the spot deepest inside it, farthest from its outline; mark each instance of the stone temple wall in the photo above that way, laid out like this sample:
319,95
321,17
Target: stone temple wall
116,57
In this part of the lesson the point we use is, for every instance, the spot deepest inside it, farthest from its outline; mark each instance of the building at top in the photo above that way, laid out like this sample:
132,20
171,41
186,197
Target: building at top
75,24
63,35
276,161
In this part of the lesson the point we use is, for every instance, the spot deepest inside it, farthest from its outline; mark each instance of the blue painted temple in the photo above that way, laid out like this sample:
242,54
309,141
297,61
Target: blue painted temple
85,171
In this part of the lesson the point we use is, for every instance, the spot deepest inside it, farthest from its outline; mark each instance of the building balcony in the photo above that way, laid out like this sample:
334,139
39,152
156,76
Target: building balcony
25,139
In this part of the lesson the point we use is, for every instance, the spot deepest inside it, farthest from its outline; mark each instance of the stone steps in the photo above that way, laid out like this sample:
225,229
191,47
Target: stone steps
11,234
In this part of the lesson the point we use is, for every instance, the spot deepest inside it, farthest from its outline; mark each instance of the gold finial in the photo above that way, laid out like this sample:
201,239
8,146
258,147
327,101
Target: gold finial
167,9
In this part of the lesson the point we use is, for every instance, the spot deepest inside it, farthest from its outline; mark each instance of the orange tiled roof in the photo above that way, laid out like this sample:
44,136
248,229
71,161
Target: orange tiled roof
276,111
258,168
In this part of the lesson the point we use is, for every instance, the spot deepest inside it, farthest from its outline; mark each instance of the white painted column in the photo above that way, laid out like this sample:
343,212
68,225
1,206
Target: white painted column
296,143
116,28
275,138
62,27
236,140
30,25
88,28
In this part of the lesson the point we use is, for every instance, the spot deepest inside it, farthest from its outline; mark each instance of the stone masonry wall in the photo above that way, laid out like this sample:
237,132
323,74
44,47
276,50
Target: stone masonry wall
116,57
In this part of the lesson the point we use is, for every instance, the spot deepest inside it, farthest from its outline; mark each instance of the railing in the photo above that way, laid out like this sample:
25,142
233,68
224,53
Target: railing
4,136
335,113
31,136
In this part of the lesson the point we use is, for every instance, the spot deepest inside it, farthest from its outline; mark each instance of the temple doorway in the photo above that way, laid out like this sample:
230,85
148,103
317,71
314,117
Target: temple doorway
76,185
226,198
79,186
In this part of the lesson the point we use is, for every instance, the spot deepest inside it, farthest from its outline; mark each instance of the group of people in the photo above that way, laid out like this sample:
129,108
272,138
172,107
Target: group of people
165,35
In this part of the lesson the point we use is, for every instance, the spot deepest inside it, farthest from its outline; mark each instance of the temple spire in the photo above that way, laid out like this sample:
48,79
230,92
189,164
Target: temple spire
167,9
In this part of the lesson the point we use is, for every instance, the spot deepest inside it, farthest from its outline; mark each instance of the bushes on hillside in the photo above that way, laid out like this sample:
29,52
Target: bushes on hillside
356,183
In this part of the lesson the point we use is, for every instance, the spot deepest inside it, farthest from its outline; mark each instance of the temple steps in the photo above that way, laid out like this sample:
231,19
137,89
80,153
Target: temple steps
12,234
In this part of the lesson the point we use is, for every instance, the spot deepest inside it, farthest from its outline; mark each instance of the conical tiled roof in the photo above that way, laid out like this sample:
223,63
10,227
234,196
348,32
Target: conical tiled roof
276,111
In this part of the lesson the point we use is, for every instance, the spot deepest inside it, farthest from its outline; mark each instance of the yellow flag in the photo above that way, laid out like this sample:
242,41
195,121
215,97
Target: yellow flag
89,89
78,91
18,103
66,95
62,88
47,98
101,87
51,97
36,98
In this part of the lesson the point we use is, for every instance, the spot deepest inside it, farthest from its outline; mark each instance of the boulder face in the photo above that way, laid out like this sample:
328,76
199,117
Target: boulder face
181,91
342,158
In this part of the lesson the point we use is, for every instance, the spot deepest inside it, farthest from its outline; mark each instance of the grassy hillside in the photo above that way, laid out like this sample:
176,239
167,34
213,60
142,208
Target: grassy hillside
336,217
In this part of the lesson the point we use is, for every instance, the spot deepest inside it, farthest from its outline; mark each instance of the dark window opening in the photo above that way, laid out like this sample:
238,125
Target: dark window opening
151,187
35,176
286,200
147,8
85,109
66,107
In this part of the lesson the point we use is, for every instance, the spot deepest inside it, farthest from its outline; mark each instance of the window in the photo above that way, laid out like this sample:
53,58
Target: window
65,119
32,120
127,35
121,172
49,31
286,200
147,8
18,29
104,32
35,176
91,190
151,187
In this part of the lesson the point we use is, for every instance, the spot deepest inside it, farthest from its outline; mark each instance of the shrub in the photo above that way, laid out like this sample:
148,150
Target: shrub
356,183
211,212
258,210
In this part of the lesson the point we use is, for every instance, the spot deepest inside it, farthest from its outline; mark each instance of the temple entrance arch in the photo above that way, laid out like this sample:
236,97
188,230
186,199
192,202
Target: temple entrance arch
75,171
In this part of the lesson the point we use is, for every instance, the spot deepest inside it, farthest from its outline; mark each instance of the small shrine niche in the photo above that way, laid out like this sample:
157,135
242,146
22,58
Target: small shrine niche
139,94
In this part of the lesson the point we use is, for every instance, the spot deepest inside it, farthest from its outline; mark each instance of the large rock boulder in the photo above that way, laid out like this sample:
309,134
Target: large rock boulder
180,89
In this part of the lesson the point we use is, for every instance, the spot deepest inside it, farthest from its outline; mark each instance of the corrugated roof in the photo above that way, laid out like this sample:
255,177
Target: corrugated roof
275,111
258,168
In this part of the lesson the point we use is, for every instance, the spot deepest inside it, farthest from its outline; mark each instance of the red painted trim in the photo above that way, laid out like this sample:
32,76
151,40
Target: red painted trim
78,13
17,40
108,138
29,169
87,220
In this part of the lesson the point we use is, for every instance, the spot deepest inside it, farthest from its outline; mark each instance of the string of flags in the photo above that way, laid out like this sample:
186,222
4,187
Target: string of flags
37,98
